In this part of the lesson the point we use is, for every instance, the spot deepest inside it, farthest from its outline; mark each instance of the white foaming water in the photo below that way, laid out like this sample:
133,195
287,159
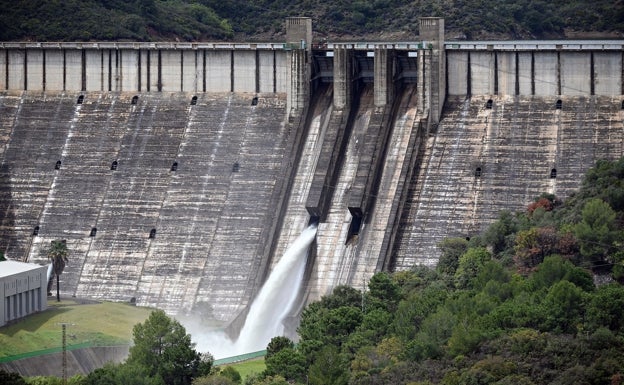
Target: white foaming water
271,306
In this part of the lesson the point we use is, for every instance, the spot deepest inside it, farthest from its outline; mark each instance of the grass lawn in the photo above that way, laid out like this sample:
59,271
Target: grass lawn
246,368
106,323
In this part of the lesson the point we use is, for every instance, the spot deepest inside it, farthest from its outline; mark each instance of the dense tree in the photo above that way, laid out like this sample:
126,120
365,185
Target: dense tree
597,231
564,307
163,348
288,363
451,249
383,293
469,265
278,343
122,374
606,308
231,373
213,379
329,368
10,378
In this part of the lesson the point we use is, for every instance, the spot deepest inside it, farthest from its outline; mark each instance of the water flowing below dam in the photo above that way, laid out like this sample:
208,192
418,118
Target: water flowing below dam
270,307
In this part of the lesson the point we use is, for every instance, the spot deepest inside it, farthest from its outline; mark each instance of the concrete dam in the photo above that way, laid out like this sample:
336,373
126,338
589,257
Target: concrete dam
179,173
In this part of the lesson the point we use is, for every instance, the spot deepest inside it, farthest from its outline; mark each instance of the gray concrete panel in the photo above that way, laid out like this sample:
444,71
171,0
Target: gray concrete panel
108,62
575,73
506,66
383,77
457,72
94,70
154,81
129,63
546,73
73,70
298,80
171,70
16,69
343,87
482,73
191,79
281,71
34,69
3,69
244,71
143,76
525,73
218,71
608,73
266,71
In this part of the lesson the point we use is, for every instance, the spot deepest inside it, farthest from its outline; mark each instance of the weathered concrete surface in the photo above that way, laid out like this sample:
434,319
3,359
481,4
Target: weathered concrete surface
516,144
213,216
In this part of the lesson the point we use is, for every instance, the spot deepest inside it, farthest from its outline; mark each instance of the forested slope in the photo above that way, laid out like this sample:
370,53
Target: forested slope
192,20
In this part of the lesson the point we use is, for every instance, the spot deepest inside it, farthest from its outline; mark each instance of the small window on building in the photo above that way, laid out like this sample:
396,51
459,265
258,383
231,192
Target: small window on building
623,104
488,104
558,104
254,101
35,231
114,165
80,99
478,172
553,173
193,100
58,165
152,234
135,99
174,166
93,232
235,167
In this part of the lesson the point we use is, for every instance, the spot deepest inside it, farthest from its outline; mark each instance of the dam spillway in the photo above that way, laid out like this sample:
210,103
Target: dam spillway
178,174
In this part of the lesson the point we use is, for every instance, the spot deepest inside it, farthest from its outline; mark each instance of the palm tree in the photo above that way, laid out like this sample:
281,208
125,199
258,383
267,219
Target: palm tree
58,256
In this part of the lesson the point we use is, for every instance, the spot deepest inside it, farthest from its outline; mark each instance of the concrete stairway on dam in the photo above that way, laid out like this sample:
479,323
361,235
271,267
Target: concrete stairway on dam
483,160
594,129
216,219
108,196
162,235
33,139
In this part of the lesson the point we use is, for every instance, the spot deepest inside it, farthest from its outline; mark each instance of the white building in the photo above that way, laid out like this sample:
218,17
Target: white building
23,289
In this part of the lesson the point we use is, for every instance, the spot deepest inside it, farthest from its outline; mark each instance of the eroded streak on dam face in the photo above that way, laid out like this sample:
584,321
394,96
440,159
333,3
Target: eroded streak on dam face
179,173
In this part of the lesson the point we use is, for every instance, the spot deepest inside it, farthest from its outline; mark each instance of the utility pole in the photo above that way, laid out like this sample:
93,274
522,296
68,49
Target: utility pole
64,339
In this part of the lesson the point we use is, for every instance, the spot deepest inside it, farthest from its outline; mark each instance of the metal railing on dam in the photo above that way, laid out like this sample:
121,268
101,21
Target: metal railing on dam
539,45
143,45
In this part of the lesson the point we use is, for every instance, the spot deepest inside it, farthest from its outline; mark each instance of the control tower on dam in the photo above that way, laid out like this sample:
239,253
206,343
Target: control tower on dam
179,173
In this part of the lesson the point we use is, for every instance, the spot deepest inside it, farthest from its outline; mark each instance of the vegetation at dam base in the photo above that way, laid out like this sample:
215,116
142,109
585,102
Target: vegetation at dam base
536,299
185,20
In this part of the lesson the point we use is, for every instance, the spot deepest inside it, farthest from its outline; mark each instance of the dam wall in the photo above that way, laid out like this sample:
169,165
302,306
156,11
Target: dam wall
178,173
491,154
571,68
144,67
164,200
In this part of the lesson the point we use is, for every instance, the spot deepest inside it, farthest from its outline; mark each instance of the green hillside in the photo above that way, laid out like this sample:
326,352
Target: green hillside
96,324
193,20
